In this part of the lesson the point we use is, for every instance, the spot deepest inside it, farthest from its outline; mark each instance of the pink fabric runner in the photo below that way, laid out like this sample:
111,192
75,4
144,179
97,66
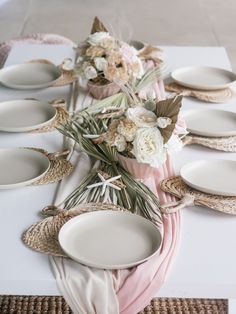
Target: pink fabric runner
144,281
140,284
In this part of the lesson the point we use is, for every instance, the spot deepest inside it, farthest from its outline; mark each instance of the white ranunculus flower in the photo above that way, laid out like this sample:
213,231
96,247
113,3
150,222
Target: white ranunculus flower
174,144
163,122
95,38
142,117
100,63
90,72
148,147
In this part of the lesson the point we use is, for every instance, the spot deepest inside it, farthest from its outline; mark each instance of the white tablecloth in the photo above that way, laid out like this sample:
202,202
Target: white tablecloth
204,266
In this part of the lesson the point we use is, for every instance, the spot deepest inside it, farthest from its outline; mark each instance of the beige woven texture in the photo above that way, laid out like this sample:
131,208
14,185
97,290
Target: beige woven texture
177,187
216,96
60,118
58,169
57,305
227,144
43,235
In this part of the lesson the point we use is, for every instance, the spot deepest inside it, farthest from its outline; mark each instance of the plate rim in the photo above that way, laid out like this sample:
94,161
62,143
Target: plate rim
205,190
29,87
102,266
26,182
209,134
29,128
200,87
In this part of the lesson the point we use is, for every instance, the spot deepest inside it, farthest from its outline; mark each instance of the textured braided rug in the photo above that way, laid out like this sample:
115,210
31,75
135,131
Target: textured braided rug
57,305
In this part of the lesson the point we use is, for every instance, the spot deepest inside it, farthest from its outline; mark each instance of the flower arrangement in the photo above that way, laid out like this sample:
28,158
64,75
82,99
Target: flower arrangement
105,60
146,132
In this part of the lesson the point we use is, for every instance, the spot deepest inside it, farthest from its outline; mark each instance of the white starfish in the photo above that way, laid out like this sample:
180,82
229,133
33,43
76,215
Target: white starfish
104,183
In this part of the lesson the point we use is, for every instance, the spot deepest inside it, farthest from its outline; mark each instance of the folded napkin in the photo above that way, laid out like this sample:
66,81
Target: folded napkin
215,96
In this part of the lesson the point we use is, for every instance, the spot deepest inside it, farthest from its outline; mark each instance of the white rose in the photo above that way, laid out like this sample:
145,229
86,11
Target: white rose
174,144
163,122
90,72
148,147
100,63
95,38
142,117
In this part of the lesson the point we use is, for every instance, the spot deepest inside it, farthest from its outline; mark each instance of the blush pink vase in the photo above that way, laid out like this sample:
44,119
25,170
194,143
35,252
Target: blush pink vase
102,91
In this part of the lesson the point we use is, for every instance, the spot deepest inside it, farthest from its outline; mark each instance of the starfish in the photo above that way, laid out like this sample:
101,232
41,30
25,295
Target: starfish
105,182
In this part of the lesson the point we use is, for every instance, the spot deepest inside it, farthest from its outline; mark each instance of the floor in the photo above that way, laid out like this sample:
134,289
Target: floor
163,22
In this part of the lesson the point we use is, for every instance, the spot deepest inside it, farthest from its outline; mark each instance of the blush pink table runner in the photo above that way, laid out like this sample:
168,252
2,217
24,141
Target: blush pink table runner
137,286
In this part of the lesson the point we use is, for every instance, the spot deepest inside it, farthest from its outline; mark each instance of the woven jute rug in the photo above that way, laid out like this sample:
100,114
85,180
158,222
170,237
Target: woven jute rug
57,305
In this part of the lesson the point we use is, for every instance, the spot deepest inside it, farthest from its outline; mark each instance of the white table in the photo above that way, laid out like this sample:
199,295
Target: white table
205,265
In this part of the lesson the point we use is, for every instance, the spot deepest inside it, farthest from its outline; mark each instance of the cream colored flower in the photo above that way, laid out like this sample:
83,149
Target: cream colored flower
100,63
163,122
148,147
111,72
108,43
94,51
114,57
90,72
127,128
97,37
120,143
142,117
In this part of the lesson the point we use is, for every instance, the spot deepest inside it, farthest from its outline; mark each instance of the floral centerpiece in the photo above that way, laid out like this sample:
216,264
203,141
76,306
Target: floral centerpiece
145,132
106,63
121,127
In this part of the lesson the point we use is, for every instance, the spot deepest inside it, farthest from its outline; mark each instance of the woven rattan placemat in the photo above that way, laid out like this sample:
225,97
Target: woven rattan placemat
57,305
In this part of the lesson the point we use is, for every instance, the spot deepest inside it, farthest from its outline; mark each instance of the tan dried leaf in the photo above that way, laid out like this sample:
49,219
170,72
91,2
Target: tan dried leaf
151,53
169,108
98,26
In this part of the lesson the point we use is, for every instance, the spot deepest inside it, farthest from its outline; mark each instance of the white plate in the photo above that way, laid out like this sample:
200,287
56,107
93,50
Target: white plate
203,78
25,115
109,240
210,122
211,176
29,75
21,166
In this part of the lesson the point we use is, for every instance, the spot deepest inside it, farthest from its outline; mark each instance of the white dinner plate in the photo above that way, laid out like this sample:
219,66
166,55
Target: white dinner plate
29,75
109,239
21,166
210,122
211,176
25,115
203,78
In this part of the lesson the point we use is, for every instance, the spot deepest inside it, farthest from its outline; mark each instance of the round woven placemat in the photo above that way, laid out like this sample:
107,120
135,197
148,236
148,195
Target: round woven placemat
214,96
58,169
57,305
177,187
60,118
226,144
43,235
